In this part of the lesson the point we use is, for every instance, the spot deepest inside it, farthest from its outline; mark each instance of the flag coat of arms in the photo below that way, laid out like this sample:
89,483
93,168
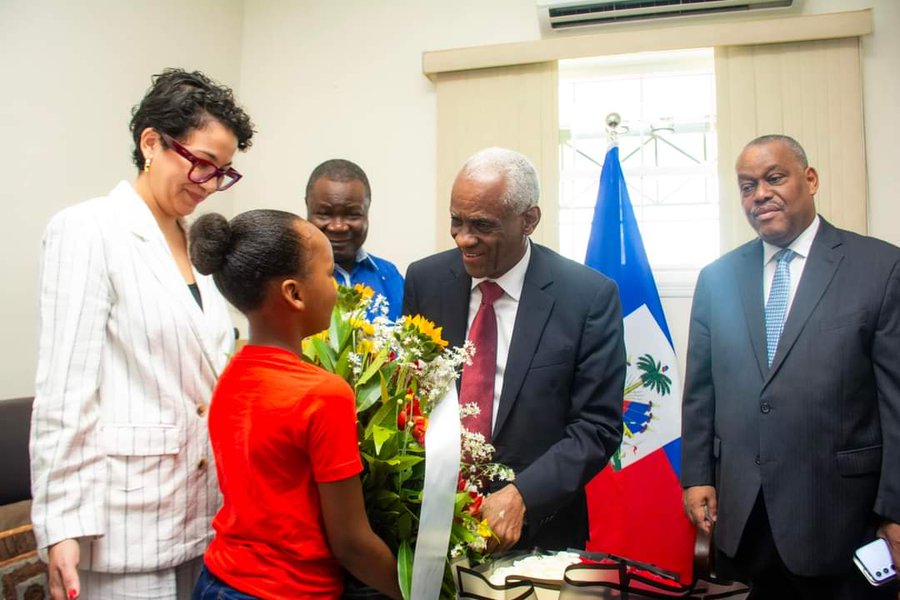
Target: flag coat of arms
634,504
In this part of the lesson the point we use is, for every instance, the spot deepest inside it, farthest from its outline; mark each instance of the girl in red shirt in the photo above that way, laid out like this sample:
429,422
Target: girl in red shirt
283,431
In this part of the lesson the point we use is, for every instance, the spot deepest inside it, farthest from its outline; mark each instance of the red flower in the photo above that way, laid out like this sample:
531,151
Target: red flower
418,430
475,508
402,419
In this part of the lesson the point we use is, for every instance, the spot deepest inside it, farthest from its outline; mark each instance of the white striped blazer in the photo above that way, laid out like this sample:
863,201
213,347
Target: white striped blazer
120,455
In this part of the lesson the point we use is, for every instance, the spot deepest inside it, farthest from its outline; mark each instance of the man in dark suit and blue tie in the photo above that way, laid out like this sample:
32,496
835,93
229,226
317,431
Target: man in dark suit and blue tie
549,369
791,407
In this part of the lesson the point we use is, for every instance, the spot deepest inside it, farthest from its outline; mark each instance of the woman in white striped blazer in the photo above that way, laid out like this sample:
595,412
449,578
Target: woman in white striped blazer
132,340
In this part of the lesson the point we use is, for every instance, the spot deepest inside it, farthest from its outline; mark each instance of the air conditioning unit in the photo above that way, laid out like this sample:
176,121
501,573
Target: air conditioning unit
558,15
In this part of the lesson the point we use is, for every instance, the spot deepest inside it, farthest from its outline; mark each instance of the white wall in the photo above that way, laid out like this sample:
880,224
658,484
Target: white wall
71,71
321,79
347,83
343,79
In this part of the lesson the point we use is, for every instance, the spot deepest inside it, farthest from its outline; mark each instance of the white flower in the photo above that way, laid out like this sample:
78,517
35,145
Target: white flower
469,409
355,361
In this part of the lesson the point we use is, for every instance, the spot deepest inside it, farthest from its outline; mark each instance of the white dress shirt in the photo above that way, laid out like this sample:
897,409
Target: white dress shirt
801,245
505,307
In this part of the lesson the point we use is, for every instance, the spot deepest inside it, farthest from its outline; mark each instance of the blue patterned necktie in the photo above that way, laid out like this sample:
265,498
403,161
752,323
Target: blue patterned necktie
776,307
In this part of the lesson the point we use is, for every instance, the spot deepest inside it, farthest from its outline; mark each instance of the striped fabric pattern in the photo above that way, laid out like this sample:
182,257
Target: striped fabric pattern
128,360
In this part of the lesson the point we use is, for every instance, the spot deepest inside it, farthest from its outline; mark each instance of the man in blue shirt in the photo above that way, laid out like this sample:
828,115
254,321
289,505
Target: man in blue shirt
337,202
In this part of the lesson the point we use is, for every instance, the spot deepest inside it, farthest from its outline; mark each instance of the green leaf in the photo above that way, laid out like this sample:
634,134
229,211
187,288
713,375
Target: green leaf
381,435
405,461
367,395
404,525
385,377
383,499
459,533
388,411
342,367
337,329
373,368
325,354
404,568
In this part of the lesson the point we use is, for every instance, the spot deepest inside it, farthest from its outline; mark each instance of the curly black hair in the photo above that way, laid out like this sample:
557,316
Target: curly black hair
245,254
179,101
338,169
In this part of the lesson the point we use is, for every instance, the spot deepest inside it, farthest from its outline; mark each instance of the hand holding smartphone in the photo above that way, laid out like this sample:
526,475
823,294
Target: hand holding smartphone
874,560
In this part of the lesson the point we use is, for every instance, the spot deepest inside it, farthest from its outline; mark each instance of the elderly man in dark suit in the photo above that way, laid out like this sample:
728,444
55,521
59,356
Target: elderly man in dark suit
791,409
549,368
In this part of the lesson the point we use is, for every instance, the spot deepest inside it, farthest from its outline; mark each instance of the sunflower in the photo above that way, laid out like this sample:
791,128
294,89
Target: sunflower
362,325
427,329
364,291
365,347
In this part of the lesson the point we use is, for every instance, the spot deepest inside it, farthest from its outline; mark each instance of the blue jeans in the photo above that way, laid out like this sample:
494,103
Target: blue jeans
210,587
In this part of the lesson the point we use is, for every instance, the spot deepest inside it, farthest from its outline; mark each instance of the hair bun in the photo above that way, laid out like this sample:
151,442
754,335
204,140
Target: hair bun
210,243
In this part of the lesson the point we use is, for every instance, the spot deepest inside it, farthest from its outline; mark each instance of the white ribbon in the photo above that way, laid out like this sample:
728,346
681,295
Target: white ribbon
442,447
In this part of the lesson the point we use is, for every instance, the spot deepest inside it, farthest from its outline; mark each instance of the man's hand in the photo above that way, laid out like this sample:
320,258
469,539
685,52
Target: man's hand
700,506
505,512
64,583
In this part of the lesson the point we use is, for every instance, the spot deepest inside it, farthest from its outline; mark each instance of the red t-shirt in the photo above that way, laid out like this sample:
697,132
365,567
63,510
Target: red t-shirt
278,427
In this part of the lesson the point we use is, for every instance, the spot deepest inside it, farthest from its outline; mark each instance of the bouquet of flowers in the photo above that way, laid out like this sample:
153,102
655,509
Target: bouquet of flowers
399,372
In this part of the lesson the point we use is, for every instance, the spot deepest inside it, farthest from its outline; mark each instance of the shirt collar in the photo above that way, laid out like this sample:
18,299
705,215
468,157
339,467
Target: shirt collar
513,280
801,244
361,257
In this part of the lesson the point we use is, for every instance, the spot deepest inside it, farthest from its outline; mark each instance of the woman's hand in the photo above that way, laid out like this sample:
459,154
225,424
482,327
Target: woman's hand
64,583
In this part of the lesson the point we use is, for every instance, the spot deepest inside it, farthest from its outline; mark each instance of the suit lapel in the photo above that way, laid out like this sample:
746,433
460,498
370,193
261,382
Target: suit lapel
535,306
750,283
154,252
821,265
455,294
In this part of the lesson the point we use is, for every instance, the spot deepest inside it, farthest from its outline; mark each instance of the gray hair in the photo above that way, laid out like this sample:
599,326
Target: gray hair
522,187
792,145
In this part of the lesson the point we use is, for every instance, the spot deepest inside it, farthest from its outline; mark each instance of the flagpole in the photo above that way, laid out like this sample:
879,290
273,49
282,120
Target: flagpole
635,506
613,120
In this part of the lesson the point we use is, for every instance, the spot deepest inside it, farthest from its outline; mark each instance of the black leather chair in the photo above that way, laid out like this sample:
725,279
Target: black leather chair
15,464
22,575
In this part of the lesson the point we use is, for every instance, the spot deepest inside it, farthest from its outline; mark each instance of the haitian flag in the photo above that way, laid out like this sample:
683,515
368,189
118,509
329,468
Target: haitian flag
634,504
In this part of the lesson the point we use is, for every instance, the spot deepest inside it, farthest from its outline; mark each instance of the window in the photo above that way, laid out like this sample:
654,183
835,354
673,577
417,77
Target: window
667,147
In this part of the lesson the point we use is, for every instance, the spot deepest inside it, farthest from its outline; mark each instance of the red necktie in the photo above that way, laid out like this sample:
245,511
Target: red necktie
478,378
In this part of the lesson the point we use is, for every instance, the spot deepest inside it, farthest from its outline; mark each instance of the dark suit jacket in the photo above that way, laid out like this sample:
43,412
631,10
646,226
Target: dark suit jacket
560,413
819,432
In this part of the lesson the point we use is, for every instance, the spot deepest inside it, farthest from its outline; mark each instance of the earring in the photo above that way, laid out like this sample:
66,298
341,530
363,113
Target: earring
147,162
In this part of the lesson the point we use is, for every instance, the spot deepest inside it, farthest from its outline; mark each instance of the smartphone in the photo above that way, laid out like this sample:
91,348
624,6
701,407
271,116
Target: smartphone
874,560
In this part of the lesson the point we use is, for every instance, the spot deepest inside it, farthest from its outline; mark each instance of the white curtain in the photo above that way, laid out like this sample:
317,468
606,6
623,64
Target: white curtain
512,107
811,91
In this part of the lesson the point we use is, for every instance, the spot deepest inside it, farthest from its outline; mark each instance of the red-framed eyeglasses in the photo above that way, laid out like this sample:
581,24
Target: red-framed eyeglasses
201,169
